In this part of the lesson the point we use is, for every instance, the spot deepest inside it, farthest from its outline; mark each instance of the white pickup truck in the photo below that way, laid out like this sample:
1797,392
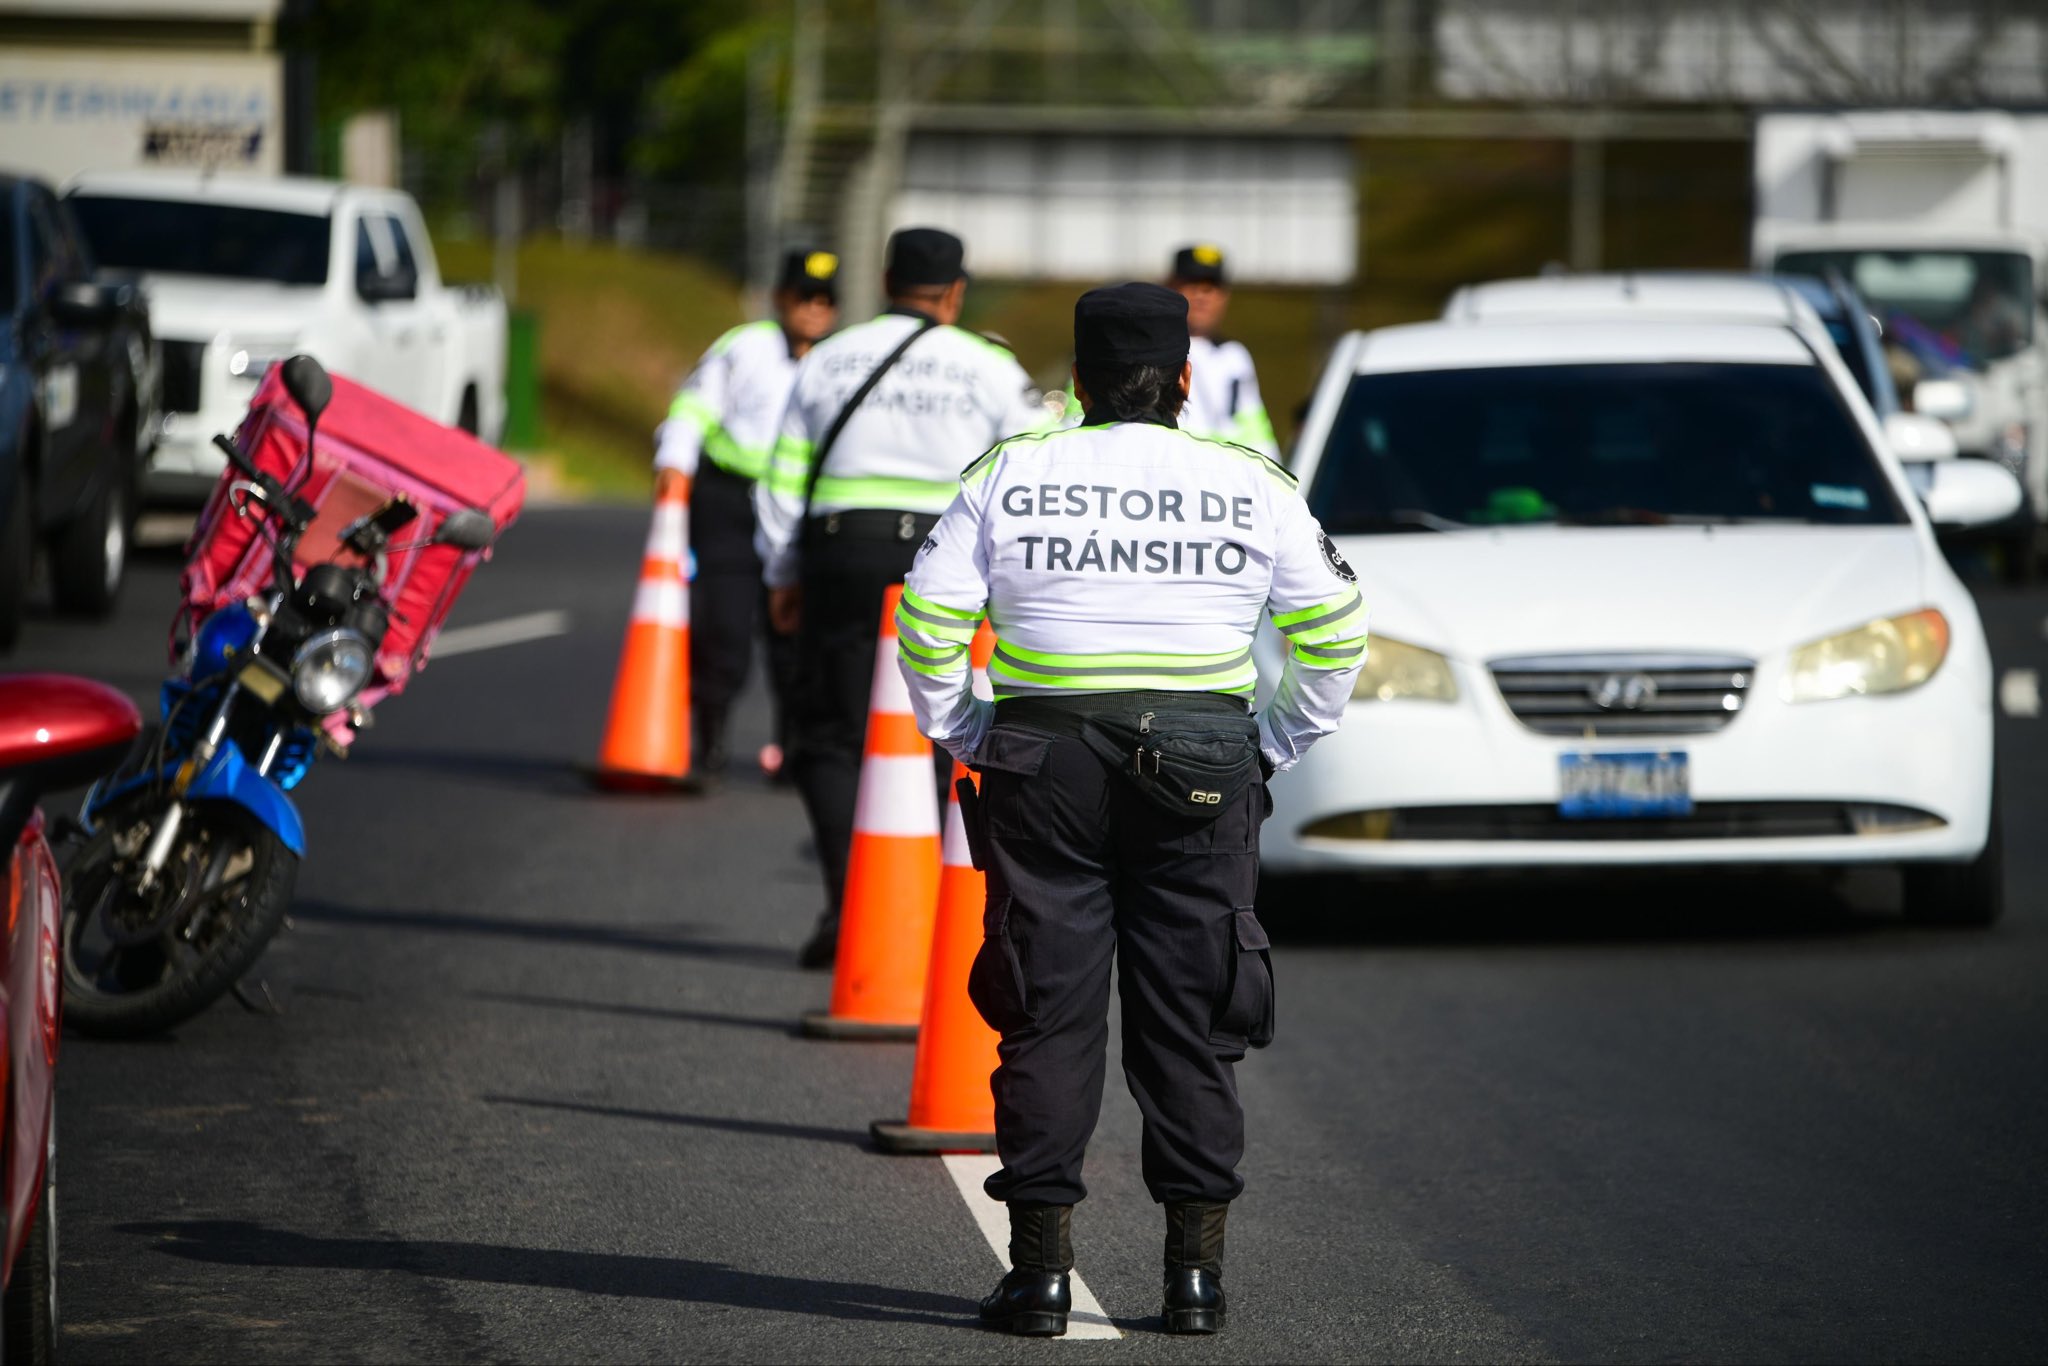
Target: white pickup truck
243,271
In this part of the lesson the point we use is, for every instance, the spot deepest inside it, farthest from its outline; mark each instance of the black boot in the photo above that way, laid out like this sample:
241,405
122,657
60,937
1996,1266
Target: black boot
710,755
822,948
1034,1298
1194,1266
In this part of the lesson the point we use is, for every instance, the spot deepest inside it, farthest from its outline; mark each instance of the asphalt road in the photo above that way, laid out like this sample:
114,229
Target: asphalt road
533,1094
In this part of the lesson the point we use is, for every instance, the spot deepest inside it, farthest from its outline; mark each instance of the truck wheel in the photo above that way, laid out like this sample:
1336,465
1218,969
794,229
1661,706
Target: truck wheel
1961,895
89,554
17,559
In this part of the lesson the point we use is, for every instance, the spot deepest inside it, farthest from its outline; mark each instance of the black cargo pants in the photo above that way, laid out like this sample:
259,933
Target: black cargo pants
1082,867
727,604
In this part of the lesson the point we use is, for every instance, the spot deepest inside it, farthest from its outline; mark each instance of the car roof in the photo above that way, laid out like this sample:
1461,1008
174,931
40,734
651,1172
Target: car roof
1702,295
1592,341
288,194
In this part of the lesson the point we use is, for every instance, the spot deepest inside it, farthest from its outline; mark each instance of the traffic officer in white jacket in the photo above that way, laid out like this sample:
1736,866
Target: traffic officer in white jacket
1223,398
1125,566
880,421
715,444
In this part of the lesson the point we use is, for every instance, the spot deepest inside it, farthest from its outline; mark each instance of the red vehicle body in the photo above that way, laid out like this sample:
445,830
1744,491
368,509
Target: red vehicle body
55,732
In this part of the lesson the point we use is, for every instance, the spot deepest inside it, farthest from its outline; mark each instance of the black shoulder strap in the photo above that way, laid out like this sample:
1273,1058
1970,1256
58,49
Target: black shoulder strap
867,386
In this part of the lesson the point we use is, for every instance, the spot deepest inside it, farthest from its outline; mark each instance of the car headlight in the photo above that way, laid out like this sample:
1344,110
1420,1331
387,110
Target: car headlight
249,359
1885,656
1395,669
329,669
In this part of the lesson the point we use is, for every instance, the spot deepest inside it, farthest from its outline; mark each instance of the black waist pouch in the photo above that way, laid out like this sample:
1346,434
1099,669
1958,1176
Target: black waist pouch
1189,754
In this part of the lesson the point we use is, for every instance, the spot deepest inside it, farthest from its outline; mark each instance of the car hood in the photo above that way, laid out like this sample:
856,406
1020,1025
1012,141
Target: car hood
200,307
1747,590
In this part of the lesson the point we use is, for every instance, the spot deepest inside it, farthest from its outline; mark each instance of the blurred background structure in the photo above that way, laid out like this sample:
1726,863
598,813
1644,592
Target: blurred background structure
626,168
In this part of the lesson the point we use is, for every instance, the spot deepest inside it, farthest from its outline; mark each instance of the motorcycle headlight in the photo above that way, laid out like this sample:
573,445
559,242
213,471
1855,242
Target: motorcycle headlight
329,669
1886,656
1395,669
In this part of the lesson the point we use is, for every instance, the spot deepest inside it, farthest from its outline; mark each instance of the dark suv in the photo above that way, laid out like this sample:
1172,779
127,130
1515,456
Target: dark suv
77,405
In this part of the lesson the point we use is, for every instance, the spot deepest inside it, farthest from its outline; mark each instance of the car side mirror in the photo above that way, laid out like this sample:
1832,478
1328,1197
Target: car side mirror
1971,493
84,303
467,529
305,379
57,731
1918,437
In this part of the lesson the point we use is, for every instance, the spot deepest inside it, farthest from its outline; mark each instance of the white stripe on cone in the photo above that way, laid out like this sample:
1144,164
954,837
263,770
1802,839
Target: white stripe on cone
662,601
896,796
888,692
955,854
669,537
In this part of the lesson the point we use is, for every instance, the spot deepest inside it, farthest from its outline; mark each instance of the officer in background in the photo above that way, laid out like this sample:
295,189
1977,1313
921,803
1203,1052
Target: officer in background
718,436
1224,397
869,455
1124,565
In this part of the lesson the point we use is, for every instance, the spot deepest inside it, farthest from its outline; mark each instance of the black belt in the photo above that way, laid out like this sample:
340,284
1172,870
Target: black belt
1067,714
871,524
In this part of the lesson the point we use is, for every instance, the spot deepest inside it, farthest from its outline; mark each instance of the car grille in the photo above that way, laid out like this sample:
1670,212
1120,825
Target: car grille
181,363
1591,696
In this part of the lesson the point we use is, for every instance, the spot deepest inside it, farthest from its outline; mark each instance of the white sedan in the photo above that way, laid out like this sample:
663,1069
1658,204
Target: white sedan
1643,592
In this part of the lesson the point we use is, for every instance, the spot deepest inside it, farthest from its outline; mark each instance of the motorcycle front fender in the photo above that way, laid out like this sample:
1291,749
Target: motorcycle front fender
228,778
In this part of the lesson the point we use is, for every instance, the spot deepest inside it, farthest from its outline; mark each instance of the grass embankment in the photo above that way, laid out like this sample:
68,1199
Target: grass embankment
620,328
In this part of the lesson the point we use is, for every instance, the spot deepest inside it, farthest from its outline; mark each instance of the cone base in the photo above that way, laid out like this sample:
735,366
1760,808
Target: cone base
634,781
901,1136
823,1024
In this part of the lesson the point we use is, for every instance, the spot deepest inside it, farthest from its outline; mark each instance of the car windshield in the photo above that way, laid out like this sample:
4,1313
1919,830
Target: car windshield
1597,445
172,237
1948,308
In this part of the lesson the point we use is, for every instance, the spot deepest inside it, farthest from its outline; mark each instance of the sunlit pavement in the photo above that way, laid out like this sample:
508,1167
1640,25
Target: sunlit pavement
534,1093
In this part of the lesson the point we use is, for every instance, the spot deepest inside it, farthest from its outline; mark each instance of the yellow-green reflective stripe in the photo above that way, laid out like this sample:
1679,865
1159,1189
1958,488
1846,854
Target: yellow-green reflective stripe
1308,618
690,405
1135,684
939,613
933,637
936,654
910,495
748,462
1060,670
1327,655
1253,424
956,665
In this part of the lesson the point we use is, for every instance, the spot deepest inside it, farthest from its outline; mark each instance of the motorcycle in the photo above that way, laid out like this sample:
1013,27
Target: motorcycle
55,733
188,858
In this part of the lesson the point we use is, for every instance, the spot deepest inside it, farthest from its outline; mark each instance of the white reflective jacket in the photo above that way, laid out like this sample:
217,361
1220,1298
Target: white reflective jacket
947,400
1126,557
1223,398
731,406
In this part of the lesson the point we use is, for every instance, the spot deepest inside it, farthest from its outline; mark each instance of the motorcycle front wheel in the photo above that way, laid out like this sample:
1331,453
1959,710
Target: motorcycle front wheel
142,961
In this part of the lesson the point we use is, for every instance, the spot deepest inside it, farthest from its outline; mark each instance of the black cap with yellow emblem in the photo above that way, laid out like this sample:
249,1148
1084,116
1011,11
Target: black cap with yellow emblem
810,274
1198,263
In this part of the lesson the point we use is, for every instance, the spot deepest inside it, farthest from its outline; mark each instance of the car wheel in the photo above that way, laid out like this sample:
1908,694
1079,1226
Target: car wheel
1961,894
17,560
89,554
28,1317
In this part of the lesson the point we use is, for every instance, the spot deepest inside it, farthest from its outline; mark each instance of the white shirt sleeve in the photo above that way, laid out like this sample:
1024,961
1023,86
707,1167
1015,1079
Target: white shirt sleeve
779,496
1250,424
698,411
1315,604
1016,404
944,600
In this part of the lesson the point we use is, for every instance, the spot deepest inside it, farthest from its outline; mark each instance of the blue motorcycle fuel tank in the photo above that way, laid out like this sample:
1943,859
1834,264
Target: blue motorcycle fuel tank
221,637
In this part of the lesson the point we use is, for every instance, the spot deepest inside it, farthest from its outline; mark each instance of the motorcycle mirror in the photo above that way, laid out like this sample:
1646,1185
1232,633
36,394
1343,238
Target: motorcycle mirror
467,529
305,379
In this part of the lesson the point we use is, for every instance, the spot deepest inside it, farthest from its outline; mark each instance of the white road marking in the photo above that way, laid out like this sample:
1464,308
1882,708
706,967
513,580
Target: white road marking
2019,693
968,1171
489,635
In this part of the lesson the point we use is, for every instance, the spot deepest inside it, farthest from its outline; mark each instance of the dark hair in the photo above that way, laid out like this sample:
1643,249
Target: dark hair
1132,392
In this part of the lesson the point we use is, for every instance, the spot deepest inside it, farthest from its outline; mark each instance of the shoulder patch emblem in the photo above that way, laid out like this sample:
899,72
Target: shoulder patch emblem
1337,563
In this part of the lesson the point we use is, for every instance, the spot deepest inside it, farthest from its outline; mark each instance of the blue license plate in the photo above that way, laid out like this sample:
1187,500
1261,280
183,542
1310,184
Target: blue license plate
1621,786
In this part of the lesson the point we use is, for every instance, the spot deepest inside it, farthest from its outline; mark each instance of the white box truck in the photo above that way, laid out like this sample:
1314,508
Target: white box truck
1940,220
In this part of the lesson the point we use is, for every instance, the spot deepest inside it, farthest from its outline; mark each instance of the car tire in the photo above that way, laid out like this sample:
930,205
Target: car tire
28,1314
1961,895
89,555
17,561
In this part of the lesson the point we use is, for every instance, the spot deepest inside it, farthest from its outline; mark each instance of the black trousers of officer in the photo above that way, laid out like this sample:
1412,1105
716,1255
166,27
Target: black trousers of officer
727,604
848,561
1083,868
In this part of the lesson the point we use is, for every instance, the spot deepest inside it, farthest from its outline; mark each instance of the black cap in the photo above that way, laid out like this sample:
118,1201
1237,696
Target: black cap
1134,324
810,274
925,256
1199,262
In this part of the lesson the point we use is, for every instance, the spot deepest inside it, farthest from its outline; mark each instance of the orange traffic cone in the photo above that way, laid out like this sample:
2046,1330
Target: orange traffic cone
951,1107
892,871
647,738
